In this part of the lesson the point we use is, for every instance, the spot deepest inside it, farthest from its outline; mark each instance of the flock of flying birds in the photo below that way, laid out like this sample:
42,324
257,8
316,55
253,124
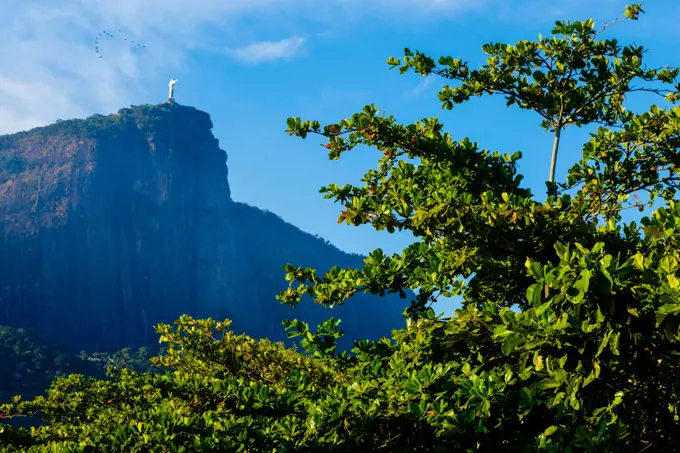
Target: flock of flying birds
106,34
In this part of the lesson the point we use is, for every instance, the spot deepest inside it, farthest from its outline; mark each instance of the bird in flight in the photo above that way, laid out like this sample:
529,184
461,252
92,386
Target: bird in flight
110,36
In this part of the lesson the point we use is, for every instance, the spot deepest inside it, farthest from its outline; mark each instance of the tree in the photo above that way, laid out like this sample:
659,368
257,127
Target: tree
570,78
567,339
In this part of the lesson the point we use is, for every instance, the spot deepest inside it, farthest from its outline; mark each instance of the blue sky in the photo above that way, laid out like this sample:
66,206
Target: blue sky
253,63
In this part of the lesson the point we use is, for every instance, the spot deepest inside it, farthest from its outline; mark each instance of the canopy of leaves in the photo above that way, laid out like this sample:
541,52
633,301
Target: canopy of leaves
567,339
27,366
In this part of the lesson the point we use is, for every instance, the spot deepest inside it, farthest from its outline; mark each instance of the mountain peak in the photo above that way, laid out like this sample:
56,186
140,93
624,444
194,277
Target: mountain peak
112,224
149,149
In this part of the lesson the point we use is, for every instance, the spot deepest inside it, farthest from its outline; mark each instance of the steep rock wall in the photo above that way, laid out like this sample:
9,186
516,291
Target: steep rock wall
112,224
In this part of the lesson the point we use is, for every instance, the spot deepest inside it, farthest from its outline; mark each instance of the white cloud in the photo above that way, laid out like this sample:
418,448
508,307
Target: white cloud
263,51
49,69
420,88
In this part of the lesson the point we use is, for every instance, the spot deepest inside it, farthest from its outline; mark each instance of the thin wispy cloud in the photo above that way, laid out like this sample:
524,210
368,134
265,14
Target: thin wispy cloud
49,68
265,51
49,65
419,89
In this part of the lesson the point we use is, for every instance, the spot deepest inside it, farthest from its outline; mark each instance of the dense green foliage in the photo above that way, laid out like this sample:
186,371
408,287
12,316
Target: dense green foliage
567,339
27,366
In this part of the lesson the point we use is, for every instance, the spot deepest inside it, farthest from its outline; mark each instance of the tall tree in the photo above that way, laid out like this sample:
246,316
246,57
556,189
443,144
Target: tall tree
571,78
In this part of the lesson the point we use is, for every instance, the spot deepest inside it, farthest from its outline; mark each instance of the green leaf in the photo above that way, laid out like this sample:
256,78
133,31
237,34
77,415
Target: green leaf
534,294
535,269
412,388
668,265
550,430
562,251
614,343
583,283
639,262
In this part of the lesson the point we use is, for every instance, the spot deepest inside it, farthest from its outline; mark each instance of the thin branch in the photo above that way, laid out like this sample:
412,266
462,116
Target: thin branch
609,24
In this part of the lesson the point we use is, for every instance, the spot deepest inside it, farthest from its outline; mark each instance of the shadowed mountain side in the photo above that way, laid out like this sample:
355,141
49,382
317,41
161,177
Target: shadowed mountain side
266,238
112,224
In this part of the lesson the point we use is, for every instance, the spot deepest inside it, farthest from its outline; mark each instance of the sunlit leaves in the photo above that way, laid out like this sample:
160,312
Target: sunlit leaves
570,78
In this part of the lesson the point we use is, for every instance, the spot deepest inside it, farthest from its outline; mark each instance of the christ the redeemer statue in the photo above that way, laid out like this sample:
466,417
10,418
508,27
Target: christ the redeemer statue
171,93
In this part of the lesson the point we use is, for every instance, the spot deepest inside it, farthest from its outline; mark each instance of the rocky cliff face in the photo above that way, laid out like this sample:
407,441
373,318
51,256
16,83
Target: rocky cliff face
112,224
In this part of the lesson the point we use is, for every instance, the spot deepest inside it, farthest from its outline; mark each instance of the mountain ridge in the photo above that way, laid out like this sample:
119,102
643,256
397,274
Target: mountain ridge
111,224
